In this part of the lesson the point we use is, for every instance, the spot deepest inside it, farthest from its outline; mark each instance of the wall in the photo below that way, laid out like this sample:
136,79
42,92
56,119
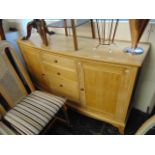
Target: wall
145,92
144,96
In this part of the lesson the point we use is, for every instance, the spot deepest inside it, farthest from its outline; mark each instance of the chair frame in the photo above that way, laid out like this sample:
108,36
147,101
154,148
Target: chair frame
146,126
5,45
74,32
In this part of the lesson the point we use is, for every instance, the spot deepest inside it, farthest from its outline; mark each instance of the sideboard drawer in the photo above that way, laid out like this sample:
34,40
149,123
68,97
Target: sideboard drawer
62,61
68,88
60,71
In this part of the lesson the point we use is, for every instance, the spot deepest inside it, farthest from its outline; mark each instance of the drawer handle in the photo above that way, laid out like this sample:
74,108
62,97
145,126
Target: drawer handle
58,73
82,89
56,61
61,85
127,71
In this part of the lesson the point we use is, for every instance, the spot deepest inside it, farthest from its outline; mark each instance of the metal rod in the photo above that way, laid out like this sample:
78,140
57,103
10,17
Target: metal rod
101,30
111,27
98,31
116,25
104,30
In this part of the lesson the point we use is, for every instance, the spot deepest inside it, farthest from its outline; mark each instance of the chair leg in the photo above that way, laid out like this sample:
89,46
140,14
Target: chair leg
65,120
92,29
65,111
65,26
48,127
2,34
74,35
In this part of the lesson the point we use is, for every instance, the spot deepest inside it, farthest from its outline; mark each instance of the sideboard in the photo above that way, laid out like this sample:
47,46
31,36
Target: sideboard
98,82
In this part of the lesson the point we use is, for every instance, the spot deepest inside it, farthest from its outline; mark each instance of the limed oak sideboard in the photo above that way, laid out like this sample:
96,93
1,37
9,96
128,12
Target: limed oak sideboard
98,82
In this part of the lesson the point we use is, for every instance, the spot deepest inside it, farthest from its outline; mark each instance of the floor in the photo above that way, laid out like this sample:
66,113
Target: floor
82,125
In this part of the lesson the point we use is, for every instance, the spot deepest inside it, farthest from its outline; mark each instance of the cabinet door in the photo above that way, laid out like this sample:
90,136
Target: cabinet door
33,61
108,88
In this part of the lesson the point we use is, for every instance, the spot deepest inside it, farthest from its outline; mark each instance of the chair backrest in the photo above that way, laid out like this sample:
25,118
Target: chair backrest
146,126
11,86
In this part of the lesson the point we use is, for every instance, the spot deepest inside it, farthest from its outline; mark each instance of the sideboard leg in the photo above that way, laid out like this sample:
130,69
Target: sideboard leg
121,129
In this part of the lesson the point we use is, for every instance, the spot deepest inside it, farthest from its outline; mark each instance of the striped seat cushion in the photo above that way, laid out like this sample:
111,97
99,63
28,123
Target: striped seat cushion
5,130
34,112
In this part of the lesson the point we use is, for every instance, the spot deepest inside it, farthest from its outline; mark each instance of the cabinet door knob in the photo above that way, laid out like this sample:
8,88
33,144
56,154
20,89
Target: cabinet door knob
58,73
56,61
43,74
61,85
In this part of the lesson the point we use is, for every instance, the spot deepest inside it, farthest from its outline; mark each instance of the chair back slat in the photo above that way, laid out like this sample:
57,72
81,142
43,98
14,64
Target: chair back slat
11,87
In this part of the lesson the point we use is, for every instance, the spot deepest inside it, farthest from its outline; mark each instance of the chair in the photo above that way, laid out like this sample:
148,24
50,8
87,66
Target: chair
146,126
66,23
5,130
23,112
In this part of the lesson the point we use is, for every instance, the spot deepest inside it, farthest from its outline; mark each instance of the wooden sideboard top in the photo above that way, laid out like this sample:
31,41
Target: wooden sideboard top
87,49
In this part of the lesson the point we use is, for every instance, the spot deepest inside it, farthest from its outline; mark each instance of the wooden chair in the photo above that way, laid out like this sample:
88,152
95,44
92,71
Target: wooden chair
146,126
70,23
23,112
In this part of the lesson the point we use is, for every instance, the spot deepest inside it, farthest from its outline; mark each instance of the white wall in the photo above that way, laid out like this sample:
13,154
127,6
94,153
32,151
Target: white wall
20,24
144,96
145,92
